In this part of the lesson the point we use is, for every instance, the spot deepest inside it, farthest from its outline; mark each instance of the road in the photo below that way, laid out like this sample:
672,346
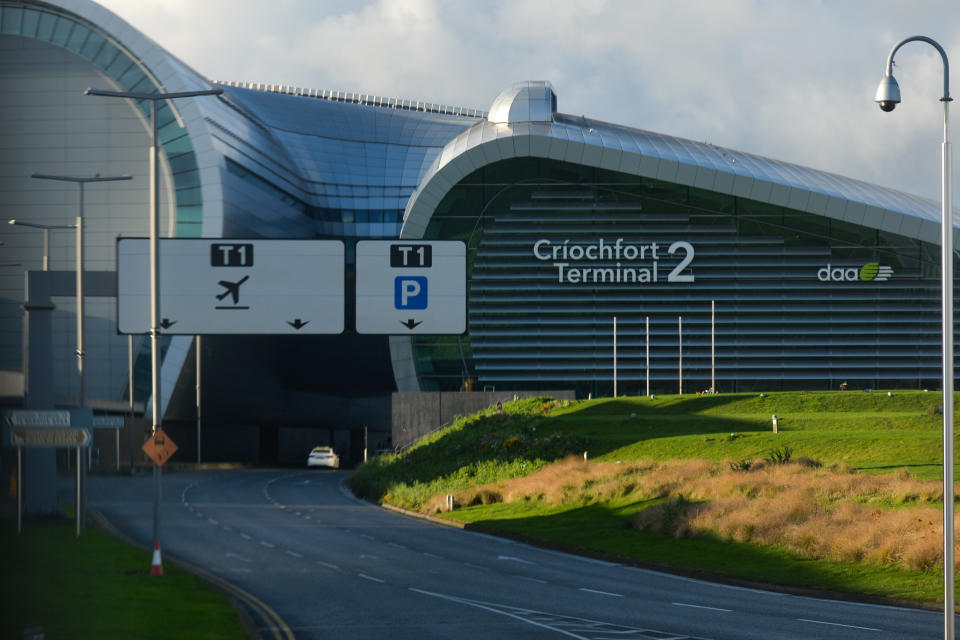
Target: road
332,566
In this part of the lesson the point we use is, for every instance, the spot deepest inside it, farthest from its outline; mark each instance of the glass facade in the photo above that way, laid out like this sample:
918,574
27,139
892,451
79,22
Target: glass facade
557,250
90,43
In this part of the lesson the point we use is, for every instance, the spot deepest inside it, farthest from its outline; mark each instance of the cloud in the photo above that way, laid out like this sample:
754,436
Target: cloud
785,79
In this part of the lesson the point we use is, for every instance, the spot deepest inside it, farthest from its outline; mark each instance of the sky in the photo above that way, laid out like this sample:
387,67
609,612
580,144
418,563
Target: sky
792,80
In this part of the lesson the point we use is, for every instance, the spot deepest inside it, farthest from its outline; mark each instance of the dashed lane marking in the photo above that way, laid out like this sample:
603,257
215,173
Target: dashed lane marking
699,606
837,624
602,593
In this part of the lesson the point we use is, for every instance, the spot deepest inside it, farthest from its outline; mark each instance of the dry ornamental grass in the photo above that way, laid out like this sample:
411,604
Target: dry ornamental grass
831,513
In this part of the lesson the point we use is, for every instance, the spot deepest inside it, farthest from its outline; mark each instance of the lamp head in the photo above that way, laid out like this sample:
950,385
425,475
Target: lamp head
888,93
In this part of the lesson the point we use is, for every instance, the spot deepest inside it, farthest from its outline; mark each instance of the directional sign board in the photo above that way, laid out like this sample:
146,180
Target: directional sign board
48,428
224,286
411,287
50,437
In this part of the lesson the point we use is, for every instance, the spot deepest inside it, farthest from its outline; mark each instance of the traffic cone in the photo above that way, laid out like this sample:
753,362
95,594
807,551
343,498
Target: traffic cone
157,568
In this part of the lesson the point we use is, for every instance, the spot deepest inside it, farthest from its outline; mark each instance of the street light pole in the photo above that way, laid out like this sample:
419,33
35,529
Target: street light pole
46,228
154,265
81,313
81,320
888,96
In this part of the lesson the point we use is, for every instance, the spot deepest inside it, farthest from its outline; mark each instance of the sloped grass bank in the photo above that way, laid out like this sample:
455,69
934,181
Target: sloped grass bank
866,453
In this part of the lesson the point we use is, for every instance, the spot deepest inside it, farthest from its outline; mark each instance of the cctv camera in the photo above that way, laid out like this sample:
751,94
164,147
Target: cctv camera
887,105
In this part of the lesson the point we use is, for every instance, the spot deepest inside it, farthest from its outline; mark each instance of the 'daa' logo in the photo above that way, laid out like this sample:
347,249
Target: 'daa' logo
871,271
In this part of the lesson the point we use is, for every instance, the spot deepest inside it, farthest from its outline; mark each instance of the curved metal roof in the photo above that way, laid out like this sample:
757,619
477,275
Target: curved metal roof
637,152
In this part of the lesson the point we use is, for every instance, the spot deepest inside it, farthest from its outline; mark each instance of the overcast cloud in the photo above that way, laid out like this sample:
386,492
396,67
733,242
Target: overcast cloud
788,79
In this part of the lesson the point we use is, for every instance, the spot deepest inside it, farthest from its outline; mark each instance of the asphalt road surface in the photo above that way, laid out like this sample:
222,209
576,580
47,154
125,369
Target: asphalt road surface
332,566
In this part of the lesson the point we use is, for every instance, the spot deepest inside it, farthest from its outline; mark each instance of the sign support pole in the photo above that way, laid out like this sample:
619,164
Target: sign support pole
614,356
680,349
648,356
130,399
713,346
79,491
199,409
19,490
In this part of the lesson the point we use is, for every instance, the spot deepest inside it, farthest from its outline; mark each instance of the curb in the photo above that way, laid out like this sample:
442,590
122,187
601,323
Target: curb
244,603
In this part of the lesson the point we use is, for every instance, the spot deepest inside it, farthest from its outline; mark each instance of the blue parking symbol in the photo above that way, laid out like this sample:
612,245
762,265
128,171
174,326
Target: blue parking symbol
410,292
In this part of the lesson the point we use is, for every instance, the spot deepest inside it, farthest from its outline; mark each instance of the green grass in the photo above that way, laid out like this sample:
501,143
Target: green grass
603,528
867,432
99,588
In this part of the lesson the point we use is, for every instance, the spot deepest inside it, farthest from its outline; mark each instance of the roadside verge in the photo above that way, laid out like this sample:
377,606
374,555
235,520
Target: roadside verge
255,615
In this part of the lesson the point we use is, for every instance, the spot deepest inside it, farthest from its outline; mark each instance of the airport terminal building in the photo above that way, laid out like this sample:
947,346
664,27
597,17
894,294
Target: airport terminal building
721,268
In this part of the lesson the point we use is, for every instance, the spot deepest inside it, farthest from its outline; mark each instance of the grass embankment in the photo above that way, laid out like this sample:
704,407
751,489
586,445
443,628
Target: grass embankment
843,498
99,588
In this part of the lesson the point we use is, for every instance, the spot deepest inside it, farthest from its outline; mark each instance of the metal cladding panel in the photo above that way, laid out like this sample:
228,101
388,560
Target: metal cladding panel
555,266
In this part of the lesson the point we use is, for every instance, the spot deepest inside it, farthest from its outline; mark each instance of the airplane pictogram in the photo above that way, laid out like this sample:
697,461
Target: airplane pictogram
232,289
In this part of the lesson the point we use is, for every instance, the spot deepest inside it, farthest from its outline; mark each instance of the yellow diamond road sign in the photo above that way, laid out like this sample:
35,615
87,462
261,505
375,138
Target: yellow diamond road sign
159,447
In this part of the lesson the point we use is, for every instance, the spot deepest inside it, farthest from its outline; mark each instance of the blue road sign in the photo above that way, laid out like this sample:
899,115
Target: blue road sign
410,292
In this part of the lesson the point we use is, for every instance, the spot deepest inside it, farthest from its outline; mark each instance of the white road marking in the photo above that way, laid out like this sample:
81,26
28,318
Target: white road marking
264,543
396,544
658,574
294,554
432,555
366,577
515,559
476,566
367,537
212,521
503,613
226,528
837,624
533,579
602,593
245,536
328,565
237,556
697,606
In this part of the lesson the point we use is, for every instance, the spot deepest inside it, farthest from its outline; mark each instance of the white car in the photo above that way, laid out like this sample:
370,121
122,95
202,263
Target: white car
323,457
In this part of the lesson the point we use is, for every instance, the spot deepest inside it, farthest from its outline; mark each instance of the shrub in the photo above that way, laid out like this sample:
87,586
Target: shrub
741,465
780,455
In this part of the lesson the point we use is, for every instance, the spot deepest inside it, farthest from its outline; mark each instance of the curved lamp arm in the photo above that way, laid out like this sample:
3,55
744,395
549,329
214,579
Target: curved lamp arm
943,54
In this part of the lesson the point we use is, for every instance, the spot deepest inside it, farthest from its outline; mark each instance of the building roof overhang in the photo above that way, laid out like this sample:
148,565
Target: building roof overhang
642,153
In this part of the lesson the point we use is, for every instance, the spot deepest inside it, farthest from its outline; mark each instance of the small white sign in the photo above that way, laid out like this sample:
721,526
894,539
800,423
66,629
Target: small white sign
411,287
108,422
41,419
226,286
